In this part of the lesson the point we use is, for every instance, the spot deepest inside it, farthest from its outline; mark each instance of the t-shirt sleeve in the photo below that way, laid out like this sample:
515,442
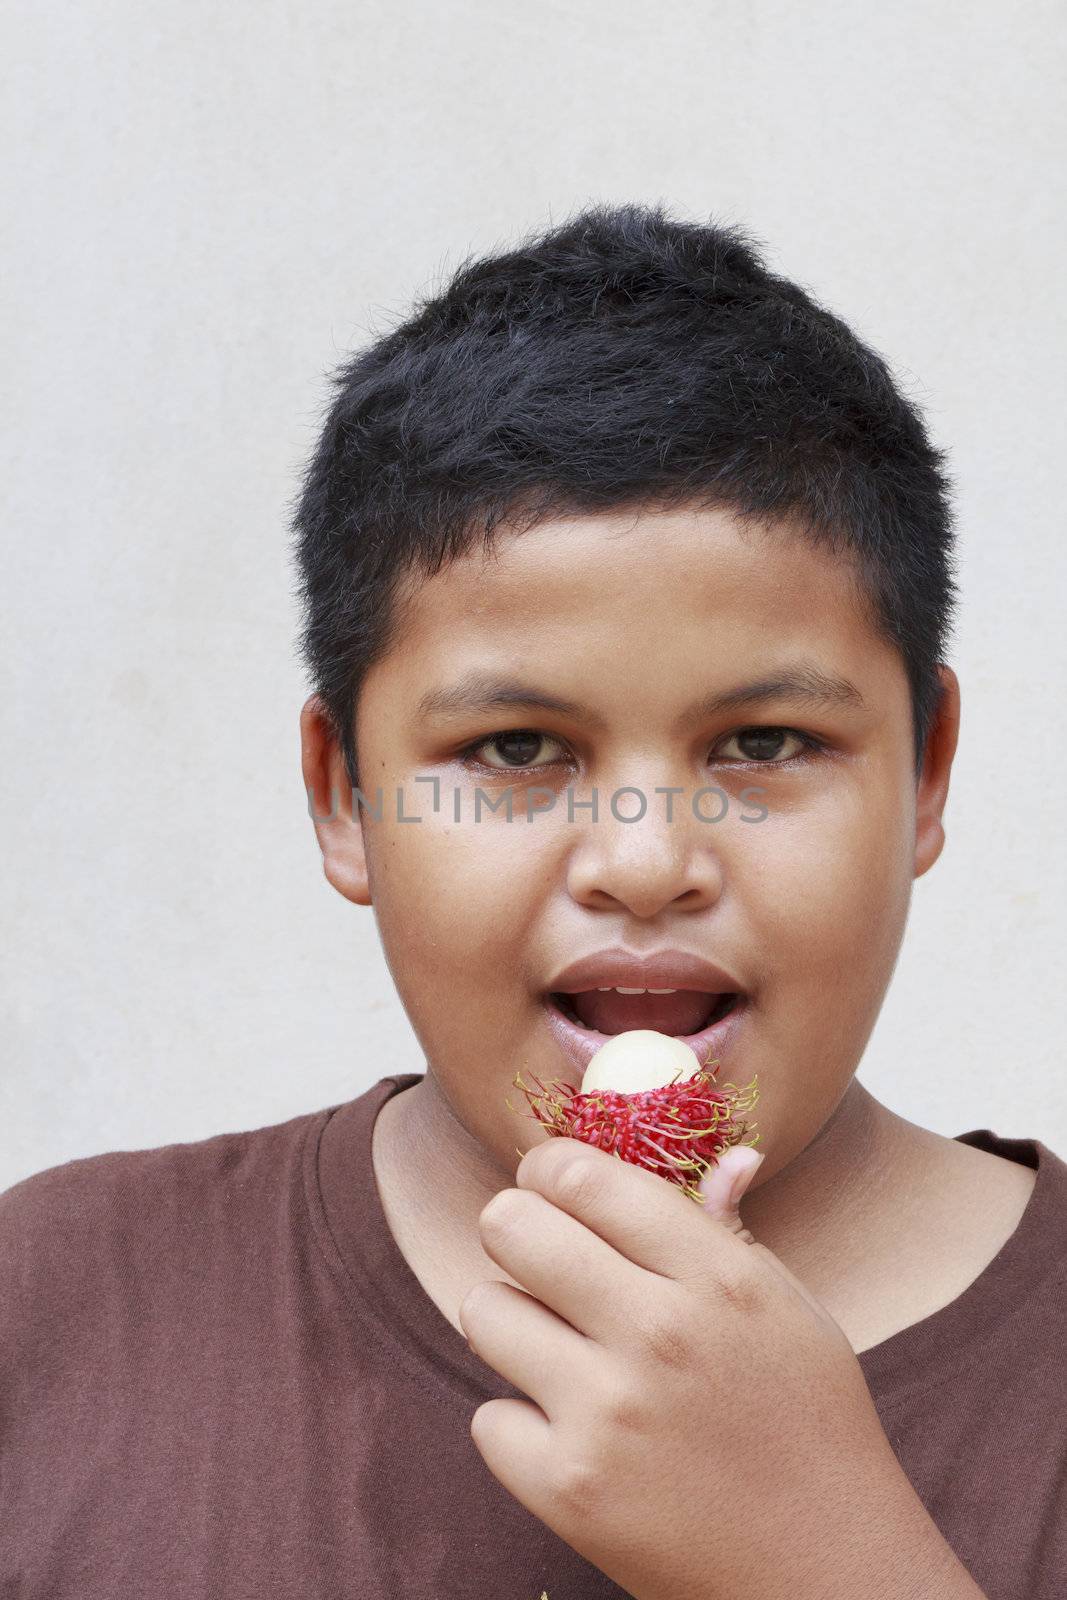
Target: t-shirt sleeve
59,1250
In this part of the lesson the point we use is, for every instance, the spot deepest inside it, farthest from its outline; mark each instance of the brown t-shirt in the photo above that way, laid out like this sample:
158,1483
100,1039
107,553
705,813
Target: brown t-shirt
219,1377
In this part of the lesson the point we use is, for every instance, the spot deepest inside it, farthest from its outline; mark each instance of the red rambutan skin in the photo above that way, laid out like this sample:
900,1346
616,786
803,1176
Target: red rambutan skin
678,1131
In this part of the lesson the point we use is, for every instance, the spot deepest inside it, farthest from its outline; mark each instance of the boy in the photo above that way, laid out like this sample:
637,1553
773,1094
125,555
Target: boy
627,584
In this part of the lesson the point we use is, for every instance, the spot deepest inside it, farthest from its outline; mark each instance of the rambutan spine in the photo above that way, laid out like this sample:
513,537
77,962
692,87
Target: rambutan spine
678,1131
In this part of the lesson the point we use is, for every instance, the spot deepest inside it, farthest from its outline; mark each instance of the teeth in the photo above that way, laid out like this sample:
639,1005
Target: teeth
608,990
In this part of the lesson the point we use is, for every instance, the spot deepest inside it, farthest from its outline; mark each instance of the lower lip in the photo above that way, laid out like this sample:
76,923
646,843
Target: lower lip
580,1044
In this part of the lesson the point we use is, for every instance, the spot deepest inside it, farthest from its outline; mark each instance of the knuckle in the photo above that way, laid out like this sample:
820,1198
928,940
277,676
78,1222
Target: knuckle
741,1289
575,1182
577,1485
666,1338
624,1406
499,1216
473,1303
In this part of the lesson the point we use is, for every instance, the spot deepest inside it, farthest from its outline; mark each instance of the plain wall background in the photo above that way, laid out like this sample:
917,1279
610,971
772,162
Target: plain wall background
208,208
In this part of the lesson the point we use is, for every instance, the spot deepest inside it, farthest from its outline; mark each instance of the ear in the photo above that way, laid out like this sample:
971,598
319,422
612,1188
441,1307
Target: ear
932,791
329,796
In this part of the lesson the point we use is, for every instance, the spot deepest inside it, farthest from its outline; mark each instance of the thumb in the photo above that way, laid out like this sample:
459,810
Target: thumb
723,1186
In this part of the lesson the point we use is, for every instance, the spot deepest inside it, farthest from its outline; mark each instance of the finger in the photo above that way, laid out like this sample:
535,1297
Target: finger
646,1219
517,1444
566,1266
526,1343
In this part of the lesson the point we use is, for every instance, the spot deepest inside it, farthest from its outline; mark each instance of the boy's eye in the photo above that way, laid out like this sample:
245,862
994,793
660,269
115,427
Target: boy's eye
516,745
765,744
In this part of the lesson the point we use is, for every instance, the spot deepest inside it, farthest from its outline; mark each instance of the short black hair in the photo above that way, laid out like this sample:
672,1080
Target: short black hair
621,357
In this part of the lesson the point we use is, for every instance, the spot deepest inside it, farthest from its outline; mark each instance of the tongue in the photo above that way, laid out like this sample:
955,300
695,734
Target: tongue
684,1012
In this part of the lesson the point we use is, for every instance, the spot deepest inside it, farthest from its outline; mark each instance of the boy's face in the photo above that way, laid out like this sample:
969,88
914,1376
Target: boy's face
636,617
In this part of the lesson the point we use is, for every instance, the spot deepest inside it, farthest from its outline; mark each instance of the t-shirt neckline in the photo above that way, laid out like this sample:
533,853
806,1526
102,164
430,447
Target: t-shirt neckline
350,1224
927,1352
349,1221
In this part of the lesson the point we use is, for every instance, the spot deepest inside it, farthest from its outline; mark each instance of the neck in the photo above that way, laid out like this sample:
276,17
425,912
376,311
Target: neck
840,1215
434,1178
843,1198
885,1222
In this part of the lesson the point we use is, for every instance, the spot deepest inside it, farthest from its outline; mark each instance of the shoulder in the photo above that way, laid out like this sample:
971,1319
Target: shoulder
75,1236
69,1201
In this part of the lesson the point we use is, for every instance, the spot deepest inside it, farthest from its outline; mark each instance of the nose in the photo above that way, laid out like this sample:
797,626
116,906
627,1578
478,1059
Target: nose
648,862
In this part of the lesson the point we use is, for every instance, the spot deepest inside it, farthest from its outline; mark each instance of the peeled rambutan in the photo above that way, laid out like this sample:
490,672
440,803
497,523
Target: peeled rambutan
677,1130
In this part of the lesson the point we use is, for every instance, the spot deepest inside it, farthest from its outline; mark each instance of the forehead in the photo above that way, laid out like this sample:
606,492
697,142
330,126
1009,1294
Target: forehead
698,586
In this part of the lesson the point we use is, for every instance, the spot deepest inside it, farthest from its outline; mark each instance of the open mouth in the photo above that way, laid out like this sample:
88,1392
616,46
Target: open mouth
682,1013
581,1023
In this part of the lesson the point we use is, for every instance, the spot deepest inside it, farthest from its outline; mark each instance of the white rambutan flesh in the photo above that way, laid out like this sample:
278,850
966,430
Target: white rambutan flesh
638,1060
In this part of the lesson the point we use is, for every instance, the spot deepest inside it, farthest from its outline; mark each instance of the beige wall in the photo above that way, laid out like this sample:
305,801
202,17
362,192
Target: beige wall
210,206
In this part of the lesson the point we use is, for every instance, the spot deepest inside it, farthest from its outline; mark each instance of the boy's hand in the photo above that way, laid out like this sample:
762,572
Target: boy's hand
698,1426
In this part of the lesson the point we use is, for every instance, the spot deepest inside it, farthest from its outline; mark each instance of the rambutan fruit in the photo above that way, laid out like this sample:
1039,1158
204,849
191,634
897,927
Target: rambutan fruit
676,1129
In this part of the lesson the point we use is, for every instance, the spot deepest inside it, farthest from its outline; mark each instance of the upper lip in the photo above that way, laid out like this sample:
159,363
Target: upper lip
657,969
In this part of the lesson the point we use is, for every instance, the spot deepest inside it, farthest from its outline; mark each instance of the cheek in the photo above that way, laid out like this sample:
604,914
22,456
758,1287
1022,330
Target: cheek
454,903
828,901
827,892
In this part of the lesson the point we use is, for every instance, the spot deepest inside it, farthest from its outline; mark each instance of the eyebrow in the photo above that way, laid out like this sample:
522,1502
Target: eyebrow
801,682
